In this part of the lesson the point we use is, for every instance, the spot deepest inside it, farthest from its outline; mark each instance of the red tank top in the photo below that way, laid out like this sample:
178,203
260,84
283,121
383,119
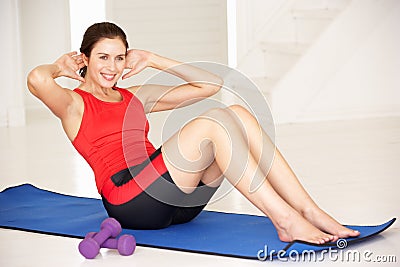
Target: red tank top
112,135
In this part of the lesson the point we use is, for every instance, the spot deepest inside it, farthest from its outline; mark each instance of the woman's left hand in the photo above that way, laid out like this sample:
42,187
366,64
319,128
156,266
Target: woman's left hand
136,60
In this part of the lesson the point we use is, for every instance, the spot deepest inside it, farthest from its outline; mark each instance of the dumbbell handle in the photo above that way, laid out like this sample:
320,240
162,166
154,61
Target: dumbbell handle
126,244
109,243
103,235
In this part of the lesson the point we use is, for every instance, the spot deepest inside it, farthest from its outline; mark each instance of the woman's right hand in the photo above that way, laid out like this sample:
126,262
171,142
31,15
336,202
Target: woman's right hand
41,83
69,64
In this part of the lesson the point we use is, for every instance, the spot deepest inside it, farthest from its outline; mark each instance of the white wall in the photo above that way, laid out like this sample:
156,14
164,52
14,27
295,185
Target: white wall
186,30
12,111
84,19
252,19
350,72
183,29
368,83
45,36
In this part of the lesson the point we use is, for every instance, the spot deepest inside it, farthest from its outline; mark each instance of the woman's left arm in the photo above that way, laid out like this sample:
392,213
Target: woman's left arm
199,84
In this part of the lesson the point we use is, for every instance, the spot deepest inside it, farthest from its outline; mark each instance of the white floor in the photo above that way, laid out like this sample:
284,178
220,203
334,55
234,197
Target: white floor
351,168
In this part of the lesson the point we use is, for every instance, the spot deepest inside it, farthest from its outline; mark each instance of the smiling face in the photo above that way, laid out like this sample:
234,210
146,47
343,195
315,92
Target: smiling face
106,63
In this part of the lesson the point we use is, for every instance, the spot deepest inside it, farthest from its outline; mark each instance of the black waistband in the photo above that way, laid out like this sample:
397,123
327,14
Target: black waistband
124,176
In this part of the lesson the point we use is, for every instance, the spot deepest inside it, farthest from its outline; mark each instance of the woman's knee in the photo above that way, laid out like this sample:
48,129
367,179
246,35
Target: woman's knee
205,123
218,118
241,116
239,112
224,115
237,107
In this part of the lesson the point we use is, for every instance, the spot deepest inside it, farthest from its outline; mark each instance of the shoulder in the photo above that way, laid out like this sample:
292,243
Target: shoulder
138,93
78,96
72,118
66,103
133,89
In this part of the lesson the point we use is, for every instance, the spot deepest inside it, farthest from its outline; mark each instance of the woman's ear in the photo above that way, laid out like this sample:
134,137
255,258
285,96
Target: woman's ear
85,59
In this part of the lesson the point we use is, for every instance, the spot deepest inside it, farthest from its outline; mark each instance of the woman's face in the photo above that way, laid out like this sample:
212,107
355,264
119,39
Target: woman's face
106,62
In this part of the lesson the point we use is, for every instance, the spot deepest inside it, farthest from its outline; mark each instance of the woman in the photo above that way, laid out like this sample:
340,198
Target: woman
137,182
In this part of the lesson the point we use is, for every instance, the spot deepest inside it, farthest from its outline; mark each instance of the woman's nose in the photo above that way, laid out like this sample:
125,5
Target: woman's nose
112,65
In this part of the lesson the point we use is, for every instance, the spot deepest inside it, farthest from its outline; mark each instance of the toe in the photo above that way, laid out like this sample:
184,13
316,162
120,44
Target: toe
355,233
348,233
329,238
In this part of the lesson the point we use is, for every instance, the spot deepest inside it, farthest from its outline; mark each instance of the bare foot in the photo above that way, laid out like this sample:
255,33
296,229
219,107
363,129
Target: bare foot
295,227
326,223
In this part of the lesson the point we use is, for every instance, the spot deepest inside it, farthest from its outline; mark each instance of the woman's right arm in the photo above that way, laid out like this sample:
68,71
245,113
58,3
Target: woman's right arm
42,84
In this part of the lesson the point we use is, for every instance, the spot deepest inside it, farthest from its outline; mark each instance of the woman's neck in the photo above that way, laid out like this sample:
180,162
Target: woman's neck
95,89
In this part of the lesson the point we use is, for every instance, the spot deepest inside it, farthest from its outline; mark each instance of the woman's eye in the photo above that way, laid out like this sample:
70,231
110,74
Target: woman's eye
103,57
120,58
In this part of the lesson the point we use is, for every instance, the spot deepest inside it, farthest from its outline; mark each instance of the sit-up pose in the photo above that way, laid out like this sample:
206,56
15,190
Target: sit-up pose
143,187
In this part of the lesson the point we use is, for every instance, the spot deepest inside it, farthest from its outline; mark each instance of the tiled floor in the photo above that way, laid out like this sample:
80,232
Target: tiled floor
351,168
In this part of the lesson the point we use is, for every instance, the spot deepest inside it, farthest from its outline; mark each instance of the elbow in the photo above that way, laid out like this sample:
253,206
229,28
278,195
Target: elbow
215,85
33,80
219,83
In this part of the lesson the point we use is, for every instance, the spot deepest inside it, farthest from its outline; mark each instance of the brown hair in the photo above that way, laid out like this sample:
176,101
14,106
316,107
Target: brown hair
97,32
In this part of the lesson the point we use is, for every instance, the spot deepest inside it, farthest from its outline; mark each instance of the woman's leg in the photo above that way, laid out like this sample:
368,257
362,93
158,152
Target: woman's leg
283,179
216,138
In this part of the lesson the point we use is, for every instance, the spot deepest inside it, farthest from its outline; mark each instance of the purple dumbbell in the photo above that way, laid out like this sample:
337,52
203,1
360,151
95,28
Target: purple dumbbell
125,244
90,247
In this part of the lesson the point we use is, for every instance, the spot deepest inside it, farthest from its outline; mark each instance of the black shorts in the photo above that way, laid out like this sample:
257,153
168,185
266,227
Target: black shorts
160,205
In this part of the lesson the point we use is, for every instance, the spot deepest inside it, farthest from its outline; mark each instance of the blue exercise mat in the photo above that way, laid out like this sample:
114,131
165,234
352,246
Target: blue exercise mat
28,208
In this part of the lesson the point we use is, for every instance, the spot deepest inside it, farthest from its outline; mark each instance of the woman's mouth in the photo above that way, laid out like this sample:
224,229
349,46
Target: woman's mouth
108,77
